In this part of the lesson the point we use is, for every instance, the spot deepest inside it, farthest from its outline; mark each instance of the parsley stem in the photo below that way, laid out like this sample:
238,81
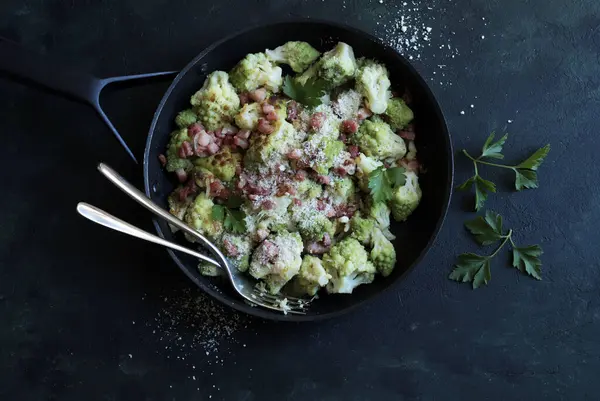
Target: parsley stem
478,160
507,237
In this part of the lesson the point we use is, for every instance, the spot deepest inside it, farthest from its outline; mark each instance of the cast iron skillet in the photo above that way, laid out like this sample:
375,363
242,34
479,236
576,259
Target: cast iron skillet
414,237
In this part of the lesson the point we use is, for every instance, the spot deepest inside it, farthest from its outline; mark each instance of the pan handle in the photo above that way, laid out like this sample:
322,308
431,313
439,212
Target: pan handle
21,63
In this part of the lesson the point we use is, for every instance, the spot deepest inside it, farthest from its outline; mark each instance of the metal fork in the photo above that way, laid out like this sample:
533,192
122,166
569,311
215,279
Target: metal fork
243,284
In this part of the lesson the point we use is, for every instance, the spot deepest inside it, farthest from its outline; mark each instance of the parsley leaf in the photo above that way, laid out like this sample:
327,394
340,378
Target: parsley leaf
233,220
535,160
525,172
527,260
382,182
471,267
486,230
493,150
309,94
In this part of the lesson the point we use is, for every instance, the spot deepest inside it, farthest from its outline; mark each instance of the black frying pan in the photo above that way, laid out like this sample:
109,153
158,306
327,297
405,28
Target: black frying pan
413,237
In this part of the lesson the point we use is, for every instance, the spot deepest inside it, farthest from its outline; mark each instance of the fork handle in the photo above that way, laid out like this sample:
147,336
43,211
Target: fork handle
105,219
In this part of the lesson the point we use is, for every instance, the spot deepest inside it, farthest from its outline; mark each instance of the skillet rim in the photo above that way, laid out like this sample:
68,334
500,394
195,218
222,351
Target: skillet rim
262,312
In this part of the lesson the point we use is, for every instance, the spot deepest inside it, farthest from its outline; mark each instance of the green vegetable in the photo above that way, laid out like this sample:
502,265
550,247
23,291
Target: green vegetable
298,55
186,118
398,114
309,93
525,172
474,268
223,164
406,197
233,219
347,263
216,103
375,138
311,277
373,83
335,67
382,182
255,71
248,116
200,217
209,270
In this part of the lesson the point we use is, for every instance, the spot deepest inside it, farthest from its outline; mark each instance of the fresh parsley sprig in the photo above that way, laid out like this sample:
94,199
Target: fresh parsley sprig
309,94
525,172
383,182
487,230
232,219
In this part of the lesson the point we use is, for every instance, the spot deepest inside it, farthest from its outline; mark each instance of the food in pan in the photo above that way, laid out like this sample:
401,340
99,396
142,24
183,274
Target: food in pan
294,163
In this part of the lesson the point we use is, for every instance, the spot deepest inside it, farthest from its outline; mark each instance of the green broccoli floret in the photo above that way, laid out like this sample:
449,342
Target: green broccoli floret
210,270
255,71
311,277
383,254
216,103
309,189
373,83
335,67
237,248
398,114
223,164
380,212
375,138
342,191
406,198
362,228
186,118
174,162
264,150
365,165
248,116
277,259
199,217
298,55
347,263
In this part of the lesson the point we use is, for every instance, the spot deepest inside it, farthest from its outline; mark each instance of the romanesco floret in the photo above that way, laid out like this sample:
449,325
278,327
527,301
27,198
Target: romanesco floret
311,277
174,162
342,191
237,248
223,164
373,83
383,254
277,218
199,217
267,150
398,114
298,55
321,151
362,229
186,118
255,71
375,138
309,189
277,259
335,67
203,177
347,263
210,270
406,198
312,228
248,116
412,151
380,212
365,165
216,103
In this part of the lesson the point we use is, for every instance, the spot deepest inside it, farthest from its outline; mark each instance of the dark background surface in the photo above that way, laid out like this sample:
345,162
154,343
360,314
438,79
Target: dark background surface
89,314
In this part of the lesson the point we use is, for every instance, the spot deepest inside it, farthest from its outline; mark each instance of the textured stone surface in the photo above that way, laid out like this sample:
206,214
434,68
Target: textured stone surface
70,291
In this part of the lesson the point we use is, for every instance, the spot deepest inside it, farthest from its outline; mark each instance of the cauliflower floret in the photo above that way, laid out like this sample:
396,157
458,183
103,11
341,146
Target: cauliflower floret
210,270
335,67
373,83
248,117
298,55
398,114
380,212
199,217
406,198
277,259
309,189
255,71
186,118
223,164
342,191
365,165
216,102
237,248
174,162
375,138
383,254
362,228
311,276
268,150
347,263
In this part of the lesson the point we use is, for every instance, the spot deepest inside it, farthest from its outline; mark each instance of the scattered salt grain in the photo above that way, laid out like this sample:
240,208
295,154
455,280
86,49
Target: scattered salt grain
462,112
510,121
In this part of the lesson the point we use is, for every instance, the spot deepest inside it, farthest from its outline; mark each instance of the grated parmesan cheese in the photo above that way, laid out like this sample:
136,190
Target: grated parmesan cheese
347,104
